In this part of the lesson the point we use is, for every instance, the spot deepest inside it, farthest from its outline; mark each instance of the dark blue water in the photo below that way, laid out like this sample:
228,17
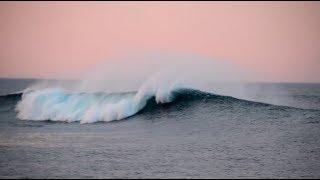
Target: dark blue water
198,135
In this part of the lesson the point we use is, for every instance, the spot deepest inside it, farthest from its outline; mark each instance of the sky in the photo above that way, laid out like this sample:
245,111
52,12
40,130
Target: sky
280,40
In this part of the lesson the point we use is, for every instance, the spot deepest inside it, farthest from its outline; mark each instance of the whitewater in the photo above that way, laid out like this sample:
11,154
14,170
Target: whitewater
57,104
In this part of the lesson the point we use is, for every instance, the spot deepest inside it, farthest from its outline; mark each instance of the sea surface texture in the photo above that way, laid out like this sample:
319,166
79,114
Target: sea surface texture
181,133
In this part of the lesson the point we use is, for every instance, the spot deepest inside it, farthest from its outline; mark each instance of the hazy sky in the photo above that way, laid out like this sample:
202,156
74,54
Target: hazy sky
51,39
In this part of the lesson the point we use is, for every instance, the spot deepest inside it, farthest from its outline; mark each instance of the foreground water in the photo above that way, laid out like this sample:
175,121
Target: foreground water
198,135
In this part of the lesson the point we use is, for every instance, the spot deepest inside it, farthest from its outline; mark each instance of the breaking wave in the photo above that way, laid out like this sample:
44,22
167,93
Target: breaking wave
57,104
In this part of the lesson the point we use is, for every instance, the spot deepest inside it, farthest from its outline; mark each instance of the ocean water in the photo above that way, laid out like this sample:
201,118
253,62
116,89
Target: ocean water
271,130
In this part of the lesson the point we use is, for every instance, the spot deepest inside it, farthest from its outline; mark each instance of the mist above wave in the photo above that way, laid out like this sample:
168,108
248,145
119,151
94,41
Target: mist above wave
143,76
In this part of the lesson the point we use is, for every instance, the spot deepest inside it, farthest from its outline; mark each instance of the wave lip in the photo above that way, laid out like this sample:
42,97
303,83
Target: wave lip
11,95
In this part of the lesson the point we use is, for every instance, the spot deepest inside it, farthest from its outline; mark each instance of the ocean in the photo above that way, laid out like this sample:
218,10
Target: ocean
270,131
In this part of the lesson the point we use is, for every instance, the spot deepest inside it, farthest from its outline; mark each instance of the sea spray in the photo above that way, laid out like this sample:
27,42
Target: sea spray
107,93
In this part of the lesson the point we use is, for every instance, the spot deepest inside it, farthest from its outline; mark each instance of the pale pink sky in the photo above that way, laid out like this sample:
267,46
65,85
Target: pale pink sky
47,39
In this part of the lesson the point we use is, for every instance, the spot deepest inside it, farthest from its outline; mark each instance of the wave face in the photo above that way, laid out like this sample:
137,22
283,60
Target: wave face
60,105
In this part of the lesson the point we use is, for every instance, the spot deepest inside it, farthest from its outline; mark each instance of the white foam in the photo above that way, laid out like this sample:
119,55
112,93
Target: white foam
57,104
